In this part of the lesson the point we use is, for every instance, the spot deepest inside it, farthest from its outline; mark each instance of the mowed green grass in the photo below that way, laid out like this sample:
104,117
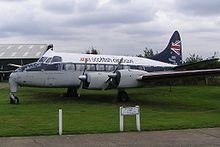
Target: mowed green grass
96,111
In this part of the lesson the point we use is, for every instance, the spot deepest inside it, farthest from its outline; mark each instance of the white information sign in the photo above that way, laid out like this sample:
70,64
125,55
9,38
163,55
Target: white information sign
130,111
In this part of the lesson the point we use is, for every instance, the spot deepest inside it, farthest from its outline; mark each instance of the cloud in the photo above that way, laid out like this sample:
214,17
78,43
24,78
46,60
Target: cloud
113,26
9,1
59,6
106,18
27,19
198,7
98,12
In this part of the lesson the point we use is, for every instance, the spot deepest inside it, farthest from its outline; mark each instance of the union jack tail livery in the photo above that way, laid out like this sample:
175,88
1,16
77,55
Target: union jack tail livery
173,52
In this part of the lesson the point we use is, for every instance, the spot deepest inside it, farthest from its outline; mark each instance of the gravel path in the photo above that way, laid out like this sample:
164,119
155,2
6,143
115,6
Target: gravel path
191,137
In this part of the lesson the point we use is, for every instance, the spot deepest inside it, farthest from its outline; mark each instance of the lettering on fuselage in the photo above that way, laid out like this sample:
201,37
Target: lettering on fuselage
103,59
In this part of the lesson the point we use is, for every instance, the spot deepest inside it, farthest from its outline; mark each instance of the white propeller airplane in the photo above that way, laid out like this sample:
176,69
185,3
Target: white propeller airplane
86,71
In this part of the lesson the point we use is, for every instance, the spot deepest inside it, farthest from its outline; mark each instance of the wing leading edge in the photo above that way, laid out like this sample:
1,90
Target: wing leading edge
177,74
3,72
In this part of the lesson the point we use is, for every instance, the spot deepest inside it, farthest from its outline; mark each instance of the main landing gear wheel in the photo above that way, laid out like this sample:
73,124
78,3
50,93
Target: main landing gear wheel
14,99
71,92
122,96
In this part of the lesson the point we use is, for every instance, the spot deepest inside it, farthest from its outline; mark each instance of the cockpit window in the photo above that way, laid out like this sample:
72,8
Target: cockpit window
42,59
40,67
48,60
56,59
33,67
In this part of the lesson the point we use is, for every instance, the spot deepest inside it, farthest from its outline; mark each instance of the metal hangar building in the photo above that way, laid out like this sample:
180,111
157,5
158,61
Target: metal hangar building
19,54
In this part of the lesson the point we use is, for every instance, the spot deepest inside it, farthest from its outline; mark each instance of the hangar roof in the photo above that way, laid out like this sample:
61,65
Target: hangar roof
22,51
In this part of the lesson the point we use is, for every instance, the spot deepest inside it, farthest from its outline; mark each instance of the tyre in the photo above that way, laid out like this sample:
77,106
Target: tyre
123,96
14,100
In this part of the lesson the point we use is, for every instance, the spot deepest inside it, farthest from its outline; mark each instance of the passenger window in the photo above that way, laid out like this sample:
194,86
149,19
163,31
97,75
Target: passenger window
109,67
149,68
137,67
101,67
69,67
91,67
126,67
51,67
80,67
133,67
120,67
140,68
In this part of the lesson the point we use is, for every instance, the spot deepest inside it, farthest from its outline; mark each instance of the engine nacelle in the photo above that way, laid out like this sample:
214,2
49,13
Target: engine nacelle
96,80
128,78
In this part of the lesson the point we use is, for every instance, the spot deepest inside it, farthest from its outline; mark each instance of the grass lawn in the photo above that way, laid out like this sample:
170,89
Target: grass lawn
95,111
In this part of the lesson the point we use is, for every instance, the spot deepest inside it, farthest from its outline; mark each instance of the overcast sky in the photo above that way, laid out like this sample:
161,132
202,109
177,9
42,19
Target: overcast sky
119,27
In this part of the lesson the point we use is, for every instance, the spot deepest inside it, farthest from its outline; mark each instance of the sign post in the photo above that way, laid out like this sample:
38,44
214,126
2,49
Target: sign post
121,119
138,124
60,122
129,111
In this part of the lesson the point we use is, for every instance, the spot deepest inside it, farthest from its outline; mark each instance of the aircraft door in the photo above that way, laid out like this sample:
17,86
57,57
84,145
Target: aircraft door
71,75
31,78
51,80
51,73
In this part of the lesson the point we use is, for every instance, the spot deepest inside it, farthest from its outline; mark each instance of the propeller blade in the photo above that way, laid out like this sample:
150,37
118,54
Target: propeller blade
85,66
110,77
82,78
119,63
80,88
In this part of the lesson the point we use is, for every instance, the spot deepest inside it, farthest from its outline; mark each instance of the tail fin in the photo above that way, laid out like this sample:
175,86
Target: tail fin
173,52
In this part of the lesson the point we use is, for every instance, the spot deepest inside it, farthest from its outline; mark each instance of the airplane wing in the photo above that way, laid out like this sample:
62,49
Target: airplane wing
3,72
198,65
156,76
9,71
14,65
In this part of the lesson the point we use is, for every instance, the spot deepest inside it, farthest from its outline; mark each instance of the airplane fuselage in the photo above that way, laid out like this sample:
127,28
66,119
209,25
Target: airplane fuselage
55,69
47,78
78,71
65,72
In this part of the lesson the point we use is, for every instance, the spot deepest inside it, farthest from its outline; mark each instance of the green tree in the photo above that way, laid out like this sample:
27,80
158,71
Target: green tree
147,53
193,58
92,51
215,54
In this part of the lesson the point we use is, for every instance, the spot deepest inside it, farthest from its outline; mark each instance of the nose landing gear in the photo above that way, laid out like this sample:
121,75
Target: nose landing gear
13,89
14,99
